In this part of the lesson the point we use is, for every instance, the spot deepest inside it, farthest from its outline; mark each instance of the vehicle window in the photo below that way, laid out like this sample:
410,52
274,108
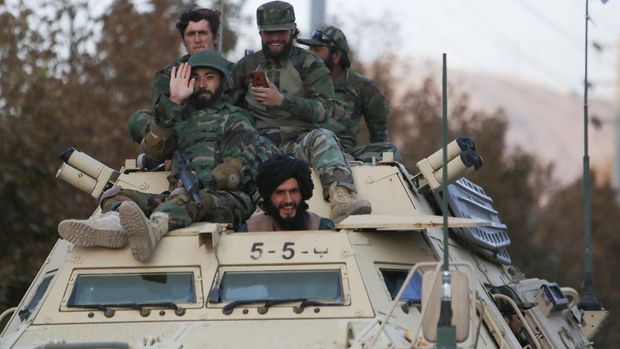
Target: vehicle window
278,285
394,281
94,289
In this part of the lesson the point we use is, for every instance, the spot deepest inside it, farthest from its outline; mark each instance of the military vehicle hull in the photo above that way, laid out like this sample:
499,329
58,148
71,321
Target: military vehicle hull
341,287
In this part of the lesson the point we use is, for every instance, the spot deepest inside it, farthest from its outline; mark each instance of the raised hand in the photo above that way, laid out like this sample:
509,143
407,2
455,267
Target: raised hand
181,86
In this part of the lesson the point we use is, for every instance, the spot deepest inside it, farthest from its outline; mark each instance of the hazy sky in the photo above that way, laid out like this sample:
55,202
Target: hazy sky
535,40
541,41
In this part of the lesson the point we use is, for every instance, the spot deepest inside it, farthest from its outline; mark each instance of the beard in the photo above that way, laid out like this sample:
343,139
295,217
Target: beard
203,98
286,48
297,222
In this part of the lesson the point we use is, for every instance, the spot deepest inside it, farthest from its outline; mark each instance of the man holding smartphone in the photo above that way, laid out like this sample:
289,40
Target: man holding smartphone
298,98
357,94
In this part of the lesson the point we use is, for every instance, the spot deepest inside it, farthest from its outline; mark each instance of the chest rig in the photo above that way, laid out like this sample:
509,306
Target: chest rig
290,82
198,139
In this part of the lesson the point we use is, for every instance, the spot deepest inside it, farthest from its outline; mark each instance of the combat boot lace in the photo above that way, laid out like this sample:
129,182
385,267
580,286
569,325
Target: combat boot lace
143,233
104,231
344,202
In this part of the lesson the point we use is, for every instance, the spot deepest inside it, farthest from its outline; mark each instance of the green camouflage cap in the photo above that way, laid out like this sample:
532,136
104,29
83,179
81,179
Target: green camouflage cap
275,15
327,36
210,59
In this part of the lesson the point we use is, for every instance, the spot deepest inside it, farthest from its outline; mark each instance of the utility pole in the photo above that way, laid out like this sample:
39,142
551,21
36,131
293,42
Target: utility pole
616,160
220,44
588,300
317,14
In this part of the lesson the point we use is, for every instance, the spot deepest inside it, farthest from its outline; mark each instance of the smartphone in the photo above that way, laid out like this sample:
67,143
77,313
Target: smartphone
259,79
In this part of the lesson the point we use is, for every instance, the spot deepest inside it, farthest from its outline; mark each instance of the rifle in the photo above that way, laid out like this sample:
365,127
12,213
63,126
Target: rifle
187,177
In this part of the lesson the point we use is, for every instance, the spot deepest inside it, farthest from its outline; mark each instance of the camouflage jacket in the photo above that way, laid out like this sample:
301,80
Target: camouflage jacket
205,137
301,77
161,82
359,96
139,122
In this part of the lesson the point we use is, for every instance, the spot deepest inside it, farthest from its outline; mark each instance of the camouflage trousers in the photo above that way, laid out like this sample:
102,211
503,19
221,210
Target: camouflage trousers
217,206
366,153
320,148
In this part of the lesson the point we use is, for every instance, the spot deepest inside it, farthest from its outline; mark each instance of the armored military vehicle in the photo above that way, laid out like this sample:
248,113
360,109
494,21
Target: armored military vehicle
375,282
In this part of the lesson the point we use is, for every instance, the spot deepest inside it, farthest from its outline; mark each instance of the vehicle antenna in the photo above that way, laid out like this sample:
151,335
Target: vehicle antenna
446,333
589,301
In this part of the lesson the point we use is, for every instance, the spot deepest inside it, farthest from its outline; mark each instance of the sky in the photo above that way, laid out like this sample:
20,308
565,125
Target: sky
541,41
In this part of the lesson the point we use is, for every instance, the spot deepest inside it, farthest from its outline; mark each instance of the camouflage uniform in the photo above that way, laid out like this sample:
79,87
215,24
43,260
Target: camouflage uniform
219,143
139,122
293,127
205,137
356,96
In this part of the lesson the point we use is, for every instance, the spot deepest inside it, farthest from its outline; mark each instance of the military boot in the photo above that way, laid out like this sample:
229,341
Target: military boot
143,233
344,202
105,231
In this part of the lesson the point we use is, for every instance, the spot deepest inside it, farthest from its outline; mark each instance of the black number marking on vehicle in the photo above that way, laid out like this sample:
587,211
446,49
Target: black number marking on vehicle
256,250
288,251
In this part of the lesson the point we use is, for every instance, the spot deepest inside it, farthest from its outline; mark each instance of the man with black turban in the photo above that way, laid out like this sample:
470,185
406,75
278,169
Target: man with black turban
285,184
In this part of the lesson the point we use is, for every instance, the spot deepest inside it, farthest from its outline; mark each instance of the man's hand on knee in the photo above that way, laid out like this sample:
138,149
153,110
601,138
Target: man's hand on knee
228,174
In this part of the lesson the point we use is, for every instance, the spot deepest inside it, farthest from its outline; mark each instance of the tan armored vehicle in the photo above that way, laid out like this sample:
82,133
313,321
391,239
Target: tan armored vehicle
374,283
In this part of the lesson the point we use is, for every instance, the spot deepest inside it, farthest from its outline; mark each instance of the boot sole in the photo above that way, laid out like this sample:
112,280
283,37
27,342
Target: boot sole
84,234
136,226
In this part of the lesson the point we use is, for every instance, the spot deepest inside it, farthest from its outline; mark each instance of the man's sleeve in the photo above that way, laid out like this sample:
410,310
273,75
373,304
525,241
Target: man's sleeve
140,121
160,141
166,112
316,105
161,85
334,122
240,141
238,86
375,112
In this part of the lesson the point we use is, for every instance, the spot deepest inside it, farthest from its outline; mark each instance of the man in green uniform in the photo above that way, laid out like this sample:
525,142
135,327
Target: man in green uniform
199,30
285,184
216,138
298,98
357,95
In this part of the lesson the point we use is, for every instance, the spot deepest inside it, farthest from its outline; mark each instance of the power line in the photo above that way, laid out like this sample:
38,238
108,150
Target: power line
542,18
501,39
446,39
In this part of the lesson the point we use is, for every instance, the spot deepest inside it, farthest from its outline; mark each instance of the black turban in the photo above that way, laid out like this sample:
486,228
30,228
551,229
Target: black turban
278,169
